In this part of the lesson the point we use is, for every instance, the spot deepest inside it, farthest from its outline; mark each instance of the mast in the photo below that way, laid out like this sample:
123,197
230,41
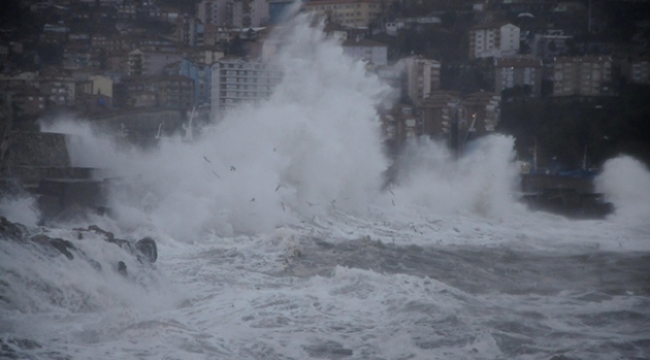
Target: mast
535,155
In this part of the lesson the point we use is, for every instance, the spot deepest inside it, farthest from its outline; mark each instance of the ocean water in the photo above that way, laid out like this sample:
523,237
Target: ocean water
278,240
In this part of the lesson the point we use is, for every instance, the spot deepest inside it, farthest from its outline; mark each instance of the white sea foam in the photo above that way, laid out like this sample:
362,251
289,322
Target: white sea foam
20,208
625,182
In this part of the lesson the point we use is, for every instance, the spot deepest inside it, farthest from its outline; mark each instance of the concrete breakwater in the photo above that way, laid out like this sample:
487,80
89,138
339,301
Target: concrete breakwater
38,163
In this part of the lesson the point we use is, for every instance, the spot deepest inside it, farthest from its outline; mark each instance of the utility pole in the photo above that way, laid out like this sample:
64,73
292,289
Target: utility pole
589,19
454,131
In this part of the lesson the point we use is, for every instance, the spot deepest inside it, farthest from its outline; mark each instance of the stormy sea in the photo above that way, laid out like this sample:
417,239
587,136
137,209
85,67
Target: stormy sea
278,238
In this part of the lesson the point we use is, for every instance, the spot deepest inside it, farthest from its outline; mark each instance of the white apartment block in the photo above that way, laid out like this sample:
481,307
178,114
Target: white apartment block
582,75
352,13
493,40
236,82
422,77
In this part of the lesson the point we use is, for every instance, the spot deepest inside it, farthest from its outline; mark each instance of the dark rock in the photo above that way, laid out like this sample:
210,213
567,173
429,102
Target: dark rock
144,248
11,231
147,246
63,246
121,268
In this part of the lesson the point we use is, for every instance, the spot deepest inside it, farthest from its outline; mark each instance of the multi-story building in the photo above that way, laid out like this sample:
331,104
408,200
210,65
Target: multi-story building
371,51
174,91
443,115
399,124
493,40
215,12
422,77
250,13
171,92
353,13
150,63
550,44
28,100
582,75
481,111
111,44
95,85
519,71
236,13
438,111
58,87
126,11
201,76
236,81
189,31
637,70
21,79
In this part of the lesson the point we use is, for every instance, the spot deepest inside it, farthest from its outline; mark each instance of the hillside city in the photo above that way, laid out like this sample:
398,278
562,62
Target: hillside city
569,79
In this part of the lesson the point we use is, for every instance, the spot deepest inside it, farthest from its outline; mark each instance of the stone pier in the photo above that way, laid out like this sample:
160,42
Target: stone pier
39,164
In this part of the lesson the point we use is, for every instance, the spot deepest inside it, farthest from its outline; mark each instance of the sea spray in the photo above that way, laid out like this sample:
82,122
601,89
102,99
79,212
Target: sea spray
315,142
625,182
482,181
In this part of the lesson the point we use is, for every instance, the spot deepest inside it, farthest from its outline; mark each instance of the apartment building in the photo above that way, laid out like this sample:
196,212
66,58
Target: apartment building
493,40
481,111
141,63
519,71
235,13
95,85
550,44
352,13
399,124
171,92
582,75
29,100
250,13
637,70
237,81
216,12
201,76
57,87
111,43
189,31
438,111
422,77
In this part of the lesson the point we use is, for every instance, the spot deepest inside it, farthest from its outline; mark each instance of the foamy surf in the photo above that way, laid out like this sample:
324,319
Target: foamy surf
278,240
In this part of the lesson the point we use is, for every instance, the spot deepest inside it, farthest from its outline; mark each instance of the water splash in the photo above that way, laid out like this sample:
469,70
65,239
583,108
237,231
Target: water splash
480,182
625,182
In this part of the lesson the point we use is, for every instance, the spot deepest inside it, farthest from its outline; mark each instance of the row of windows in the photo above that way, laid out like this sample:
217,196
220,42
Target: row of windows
245,94
245,87
250,80
246,73
242,66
